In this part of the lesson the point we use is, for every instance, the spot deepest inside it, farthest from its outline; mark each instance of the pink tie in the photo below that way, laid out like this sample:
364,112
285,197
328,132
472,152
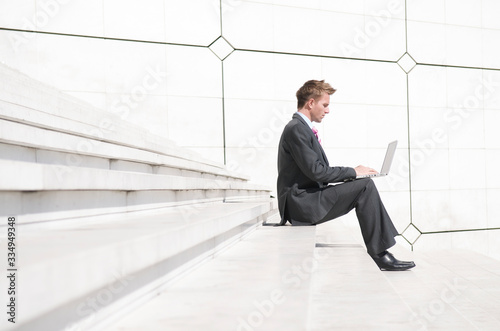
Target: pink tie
316,134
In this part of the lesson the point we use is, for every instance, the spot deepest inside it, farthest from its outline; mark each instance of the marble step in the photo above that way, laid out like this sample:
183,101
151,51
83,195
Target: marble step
73,272
458,290
27,176
80,144
306,278
261,283
39,117
29,101
43,192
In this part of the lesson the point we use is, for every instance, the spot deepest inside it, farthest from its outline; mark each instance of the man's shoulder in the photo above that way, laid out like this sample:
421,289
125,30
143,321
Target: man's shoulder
296,123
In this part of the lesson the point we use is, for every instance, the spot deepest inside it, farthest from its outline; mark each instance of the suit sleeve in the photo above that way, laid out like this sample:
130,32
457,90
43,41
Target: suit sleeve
311,163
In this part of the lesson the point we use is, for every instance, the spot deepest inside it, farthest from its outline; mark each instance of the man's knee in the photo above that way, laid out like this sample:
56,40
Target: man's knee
369,185
367,182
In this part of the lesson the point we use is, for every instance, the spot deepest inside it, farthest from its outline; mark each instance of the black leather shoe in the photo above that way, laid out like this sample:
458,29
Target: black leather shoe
388,262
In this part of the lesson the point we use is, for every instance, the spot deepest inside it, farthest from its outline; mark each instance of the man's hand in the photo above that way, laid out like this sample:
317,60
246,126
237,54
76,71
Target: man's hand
362,170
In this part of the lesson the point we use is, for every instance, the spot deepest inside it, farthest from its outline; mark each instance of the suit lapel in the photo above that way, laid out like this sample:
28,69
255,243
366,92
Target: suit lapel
316,143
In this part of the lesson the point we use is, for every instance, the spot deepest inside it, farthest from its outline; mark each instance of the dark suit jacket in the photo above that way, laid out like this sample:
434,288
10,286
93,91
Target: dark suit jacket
303,175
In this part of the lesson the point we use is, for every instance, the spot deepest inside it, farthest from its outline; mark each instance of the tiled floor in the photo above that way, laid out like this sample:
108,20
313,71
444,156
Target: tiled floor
306,278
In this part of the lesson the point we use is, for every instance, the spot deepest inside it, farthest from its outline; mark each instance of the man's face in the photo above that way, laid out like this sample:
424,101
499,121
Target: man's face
319,108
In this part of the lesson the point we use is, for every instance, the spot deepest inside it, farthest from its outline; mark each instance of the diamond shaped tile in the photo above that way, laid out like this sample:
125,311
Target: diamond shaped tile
221,48
406,62
411,234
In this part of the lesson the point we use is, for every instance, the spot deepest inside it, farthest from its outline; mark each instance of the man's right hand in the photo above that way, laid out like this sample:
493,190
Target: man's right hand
362,170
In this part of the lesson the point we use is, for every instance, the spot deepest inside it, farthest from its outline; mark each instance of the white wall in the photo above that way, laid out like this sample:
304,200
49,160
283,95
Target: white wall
424,72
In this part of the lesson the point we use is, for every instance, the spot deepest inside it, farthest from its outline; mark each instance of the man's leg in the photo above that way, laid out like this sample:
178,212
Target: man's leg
376,226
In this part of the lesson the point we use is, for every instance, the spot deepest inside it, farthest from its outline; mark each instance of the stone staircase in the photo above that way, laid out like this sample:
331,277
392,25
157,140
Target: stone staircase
106,213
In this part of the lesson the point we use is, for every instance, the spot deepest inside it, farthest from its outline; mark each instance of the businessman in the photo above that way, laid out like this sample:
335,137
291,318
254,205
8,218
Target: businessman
304,196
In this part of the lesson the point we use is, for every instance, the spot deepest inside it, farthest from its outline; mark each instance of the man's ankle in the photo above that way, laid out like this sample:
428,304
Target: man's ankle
379,255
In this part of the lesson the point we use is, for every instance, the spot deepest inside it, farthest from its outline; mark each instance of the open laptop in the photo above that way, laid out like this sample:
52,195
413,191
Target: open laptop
386,166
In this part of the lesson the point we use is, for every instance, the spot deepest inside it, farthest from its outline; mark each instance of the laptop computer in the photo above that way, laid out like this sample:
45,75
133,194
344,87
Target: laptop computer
386,166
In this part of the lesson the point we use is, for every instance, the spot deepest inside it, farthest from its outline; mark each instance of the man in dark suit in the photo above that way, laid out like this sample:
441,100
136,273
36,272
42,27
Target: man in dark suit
304,196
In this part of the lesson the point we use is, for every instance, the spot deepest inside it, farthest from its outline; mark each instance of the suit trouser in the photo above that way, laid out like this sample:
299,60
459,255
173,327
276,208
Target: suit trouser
376,226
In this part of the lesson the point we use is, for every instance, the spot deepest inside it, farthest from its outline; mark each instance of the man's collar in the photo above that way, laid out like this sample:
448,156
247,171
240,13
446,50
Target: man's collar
304,117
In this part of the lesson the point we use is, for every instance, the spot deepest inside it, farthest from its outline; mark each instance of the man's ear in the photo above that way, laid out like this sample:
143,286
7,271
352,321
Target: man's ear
311,102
